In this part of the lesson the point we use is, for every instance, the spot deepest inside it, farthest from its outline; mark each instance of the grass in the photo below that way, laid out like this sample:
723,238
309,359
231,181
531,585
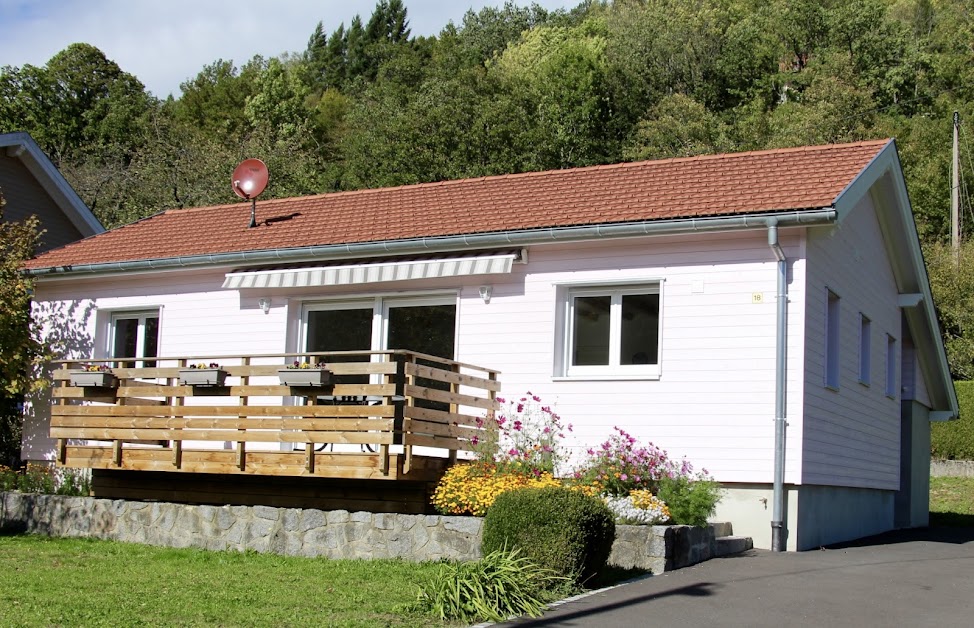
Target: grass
67,582
952,501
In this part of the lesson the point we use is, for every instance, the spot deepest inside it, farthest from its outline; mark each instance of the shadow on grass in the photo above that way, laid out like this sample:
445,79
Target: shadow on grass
951,520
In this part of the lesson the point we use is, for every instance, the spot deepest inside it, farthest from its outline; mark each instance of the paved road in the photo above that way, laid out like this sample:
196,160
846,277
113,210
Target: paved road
907,578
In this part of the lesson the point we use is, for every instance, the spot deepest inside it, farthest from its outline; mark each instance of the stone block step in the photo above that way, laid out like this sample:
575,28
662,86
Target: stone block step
722,528
727,545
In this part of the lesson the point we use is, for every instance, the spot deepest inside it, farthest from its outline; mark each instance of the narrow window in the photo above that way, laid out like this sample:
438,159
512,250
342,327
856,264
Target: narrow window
864,348
890,366
832,341
135,335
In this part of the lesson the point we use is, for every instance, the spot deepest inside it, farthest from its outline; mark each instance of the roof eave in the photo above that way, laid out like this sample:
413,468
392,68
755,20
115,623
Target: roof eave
446,244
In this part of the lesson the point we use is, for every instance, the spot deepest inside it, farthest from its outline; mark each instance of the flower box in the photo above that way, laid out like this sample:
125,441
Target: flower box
202,377
93,379
305,377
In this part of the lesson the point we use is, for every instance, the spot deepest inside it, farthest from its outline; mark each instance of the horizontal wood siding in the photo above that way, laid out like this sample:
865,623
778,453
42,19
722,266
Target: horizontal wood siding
714,400
851,435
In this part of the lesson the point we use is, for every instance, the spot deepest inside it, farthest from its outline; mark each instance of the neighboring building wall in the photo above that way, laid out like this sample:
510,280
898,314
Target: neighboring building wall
851,434
913,499
26,197
833,514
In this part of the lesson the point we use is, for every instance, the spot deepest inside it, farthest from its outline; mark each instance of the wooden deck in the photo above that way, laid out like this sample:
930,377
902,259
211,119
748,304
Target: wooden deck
365,426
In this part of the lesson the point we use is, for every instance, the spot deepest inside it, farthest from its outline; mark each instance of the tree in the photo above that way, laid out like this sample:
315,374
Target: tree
21,351
952,284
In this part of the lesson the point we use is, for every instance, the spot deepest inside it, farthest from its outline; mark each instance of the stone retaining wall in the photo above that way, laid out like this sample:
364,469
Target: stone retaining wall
952,468
308,532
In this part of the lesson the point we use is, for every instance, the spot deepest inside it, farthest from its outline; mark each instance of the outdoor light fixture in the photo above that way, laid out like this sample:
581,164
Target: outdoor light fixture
265,304
485,293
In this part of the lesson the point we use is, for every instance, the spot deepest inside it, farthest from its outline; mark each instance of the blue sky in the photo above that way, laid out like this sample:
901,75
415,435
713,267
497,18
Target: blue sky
165,42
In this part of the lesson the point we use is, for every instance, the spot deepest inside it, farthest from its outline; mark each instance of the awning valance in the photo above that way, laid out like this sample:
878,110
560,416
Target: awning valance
351,274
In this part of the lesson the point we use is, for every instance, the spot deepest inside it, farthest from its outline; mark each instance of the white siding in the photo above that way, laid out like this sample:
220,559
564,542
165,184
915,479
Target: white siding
714,400
851,435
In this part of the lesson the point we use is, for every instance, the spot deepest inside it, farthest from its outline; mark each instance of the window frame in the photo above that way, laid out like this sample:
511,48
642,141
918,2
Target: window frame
865,349
832,340
141,315
565,330
380,306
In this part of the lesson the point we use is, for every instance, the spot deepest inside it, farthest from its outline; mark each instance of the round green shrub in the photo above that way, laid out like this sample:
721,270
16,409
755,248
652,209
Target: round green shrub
560,529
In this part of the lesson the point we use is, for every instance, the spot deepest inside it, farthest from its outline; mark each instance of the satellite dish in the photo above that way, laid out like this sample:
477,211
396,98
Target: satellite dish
249,180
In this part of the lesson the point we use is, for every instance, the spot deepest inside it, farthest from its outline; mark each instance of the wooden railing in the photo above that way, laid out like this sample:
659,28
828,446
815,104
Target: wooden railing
366,424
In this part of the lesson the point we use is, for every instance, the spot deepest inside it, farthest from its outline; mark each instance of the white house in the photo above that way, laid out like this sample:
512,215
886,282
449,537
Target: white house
765,314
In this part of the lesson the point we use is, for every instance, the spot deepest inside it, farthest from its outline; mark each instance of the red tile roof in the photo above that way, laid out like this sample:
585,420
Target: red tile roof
713,185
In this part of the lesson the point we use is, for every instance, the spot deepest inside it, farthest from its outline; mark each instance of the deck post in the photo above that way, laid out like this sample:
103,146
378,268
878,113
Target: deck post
176,401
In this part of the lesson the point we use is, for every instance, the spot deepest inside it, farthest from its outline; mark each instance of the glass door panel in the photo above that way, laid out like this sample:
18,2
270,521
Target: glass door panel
429,329
341,330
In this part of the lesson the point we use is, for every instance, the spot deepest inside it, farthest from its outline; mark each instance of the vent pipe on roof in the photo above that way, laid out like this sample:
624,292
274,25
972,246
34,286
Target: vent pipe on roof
779,533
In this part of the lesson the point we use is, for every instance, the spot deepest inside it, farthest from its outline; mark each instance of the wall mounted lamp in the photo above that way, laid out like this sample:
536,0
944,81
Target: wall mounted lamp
265,304
485,293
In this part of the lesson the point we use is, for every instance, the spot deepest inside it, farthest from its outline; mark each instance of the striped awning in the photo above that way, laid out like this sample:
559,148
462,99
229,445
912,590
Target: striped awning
351,274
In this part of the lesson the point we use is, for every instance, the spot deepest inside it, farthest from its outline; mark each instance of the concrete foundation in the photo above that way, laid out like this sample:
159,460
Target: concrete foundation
815,515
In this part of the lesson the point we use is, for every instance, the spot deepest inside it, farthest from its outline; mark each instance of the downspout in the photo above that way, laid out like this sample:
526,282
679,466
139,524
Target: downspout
778,530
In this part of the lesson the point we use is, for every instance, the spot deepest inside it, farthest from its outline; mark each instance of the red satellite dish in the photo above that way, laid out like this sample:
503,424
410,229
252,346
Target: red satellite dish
249,178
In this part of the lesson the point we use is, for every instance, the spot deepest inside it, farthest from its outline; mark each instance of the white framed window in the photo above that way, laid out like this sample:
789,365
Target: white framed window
135,335
832,340
865,346
611,331
891,361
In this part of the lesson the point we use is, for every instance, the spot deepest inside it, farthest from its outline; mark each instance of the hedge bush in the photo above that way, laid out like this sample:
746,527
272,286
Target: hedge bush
954,440
560,529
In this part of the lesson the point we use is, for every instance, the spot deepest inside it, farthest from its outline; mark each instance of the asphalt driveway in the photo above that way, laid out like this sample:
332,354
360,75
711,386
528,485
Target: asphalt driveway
907,578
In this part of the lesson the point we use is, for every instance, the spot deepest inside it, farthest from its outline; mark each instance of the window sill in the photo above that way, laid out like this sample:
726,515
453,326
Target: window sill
832,387
652,377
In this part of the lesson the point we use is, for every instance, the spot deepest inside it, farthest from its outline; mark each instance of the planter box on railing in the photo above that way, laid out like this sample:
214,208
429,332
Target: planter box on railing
93,379
202,377
305,377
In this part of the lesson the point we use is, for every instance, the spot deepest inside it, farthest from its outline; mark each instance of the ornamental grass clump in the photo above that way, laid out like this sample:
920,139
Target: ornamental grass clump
563,530
501,585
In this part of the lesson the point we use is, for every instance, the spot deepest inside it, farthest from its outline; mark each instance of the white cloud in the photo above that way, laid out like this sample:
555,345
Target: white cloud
166,43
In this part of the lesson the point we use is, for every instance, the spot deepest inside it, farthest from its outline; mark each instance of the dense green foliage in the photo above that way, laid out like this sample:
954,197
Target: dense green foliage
516,89
691,501
80,582
560,529
20,349
954,440
501,585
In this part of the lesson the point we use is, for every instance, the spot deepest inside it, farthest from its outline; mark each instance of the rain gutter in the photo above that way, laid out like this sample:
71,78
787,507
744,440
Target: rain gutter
794,218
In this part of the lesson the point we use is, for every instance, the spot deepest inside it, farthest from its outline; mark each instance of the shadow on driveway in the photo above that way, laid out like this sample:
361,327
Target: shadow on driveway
917,577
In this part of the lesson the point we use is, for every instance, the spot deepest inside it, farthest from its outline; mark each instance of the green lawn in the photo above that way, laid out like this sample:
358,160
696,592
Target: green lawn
952,501
72,582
